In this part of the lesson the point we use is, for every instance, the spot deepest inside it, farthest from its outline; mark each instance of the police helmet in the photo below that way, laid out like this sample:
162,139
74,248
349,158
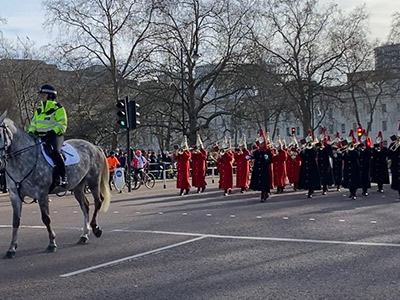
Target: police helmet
48,89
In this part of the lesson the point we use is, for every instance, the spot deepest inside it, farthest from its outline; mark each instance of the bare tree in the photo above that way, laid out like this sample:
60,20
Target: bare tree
110,33
307,43
212,32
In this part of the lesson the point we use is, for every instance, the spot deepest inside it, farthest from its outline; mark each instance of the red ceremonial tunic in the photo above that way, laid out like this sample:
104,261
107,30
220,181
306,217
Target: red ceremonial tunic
183,169
225,169
199,168
293,164
279,163
242,169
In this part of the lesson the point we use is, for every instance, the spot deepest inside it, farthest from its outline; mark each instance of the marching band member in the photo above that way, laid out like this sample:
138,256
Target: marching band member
271,165
379,169
242,165
182,157
279,166
199,158
337,161
309,173
351,168
365,164
293,163
225,168
394,155
260,178
324,163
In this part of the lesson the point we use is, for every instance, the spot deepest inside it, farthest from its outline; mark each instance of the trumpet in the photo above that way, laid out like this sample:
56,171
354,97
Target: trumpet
395,146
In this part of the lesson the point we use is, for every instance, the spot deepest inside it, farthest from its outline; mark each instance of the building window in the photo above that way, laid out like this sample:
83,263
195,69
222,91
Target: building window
384,125
343,128
278,132
383,107
288,131
355,125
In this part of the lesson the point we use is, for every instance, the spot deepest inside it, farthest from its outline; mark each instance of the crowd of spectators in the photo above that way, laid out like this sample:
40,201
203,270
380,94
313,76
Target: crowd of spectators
156,162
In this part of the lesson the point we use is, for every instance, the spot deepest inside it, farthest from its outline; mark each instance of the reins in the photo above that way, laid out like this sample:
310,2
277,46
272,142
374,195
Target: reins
8,155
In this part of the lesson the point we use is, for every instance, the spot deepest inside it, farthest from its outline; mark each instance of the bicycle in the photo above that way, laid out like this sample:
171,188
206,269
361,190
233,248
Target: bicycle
145,178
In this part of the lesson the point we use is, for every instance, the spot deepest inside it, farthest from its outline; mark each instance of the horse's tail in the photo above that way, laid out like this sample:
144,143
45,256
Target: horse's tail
104,187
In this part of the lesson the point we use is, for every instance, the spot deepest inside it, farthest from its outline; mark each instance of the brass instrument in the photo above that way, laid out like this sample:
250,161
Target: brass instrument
184,146
395,146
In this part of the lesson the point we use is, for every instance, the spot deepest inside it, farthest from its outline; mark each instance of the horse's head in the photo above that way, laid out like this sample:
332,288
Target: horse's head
5,138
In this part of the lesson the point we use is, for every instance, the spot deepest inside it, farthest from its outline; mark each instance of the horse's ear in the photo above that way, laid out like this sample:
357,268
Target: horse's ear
3,116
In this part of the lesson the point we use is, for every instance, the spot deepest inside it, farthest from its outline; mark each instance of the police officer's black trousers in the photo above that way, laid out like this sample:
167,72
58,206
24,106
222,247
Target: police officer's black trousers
56,144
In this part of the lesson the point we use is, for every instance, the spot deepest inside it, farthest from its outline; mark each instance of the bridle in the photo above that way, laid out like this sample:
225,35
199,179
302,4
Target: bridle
5,154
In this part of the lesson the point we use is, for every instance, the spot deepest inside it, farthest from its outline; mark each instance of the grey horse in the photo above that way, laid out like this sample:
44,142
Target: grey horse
29,175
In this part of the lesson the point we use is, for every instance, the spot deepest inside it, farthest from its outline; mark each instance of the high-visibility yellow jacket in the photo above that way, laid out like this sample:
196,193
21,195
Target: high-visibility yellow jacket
49,116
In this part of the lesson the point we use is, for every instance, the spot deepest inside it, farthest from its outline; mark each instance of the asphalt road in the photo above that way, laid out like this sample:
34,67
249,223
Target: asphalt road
158,245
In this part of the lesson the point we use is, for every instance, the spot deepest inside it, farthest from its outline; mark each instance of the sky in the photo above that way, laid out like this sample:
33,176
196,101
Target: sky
25,18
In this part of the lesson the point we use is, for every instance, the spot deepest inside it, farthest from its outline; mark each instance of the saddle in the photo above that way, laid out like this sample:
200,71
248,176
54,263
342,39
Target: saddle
69,153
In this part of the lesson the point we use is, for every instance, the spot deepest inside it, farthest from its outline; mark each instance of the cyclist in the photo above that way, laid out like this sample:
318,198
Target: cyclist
138,163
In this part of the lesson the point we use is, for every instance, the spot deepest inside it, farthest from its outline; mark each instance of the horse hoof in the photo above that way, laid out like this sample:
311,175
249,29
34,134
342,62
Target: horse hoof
9,254
51,248
83,240
97,232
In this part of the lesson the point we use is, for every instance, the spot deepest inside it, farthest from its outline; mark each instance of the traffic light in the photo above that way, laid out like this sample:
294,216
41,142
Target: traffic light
293,130
122,113
359,131
133,115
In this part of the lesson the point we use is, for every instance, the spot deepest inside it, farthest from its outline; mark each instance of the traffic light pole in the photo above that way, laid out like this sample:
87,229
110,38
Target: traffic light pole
128,150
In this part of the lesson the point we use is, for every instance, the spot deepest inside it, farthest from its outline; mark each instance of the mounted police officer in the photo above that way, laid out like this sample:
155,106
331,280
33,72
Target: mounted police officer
50,123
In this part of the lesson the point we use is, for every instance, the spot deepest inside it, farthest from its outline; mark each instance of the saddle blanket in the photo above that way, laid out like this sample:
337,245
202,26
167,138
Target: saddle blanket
70,154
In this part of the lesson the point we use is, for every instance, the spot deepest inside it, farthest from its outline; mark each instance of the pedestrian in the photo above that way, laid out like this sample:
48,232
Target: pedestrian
365,164
242,165
263,157
293,165
113,164
351,167
182,157
309,178
225,168
279,166
337,162
49,122
394,156
379,164
199,158
324,161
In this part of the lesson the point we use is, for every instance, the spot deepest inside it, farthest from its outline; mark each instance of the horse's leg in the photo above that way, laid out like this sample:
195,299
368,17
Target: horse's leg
16,203
84,204
97,231
44,209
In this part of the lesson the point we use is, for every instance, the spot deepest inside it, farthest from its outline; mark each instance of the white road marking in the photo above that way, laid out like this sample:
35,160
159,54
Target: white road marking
256,238
118,261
